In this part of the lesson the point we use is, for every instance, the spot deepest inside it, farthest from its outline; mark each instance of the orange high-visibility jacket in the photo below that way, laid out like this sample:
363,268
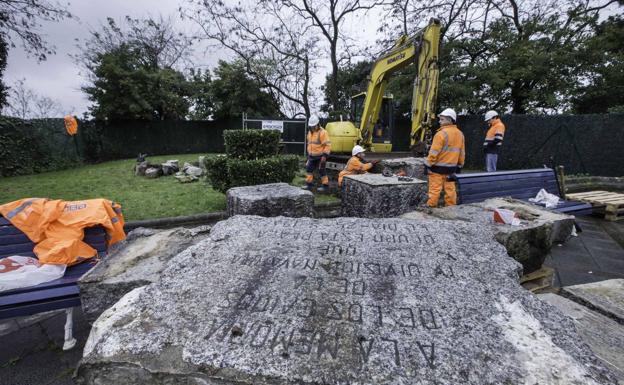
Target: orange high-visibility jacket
494,136
71,125
318,143
354,166
57,227
447,151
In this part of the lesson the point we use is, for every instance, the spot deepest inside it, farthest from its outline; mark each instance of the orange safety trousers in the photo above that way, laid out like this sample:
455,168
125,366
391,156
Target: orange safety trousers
437,182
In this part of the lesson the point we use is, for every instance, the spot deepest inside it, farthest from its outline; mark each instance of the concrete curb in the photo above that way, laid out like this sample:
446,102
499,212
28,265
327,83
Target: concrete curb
322,210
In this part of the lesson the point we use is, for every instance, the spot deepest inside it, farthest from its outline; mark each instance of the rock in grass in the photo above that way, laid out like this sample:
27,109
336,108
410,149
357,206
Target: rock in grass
338,301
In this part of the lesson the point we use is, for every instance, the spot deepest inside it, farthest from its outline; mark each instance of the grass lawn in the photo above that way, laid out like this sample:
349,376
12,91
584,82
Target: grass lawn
141,198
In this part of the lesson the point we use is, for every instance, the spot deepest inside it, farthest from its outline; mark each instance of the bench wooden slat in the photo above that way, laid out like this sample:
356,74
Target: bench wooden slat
12,298
508,186
483,177
9,230
30,308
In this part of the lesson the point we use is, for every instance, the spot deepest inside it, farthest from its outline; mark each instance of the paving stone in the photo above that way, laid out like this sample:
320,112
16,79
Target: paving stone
604,336
377,196
136,261
605,296
338,301
270,200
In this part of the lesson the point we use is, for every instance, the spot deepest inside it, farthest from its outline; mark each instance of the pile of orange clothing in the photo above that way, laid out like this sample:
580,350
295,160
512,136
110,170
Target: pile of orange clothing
57,227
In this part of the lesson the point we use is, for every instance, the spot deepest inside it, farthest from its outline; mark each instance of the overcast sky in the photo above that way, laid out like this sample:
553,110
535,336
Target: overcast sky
60,78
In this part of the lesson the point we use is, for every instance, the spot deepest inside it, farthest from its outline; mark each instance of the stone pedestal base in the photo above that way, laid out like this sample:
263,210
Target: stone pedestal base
377,196
270,200
413,167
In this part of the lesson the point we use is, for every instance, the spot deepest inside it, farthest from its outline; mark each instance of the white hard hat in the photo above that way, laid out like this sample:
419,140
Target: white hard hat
357,150
490,114
449,113
313,121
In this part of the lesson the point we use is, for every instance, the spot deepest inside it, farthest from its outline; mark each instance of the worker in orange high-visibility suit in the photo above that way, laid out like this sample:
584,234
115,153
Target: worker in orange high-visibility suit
356,164
446,158
57,227
318,148
493,140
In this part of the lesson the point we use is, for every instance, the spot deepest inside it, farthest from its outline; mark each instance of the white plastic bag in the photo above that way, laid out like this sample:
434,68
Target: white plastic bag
17,272
506,217
547,199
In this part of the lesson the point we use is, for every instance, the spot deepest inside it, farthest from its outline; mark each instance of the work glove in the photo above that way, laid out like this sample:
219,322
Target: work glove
323,161
374,162
451,178
425,170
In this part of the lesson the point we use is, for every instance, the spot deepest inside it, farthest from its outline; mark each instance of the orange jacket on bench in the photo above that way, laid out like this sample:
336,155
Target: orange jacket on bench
57,227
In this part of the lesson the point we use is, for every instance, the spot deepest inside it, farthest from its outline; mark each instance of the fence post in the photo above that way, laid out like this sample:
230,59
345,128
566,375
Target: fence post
560,171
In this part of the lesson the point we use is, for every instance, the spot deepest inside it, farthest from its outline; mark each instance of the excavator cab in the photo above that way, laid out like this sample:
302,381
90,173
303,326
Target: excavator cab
384,127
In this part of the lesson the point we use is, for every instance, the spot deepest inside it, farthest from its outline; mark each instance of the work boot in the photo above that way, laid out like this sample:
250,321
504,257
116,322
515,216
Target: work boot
323,189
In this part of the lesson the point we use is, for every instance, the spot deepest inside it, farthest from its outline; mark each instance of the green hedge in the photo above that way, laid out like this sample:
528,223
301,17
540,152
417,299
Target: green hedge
251,144
224,172
32,146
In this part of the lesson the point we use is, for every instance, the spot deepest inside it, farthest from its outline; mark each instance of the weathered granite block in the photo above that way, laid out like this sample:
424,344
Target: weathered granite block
528,243
413,167
338,301
137,261
377,196
270,200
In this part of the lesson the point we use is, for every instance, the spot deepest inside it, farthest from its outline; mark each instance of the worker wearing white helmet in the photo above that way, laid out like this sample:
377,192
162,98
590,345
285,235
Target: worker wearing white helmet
356,165
319,148
446,158
493,139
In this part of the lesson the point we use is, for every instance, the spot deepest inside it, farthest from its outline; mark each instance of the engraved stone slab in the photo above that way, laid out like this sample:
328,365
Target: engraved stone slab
338,301
270,200
528,243
377,196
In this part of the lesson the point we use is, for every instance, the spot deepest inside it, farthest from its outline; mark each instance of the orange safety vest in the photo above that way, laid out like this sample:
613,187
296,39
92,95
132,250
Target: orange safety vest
71,125
57,227
494,136
354,166
447,151
318,143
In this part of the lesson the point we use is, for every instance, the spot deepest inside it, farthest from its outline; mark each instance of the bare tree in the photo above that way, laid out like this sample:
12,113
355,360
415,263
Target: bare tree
21,20
328,16
25,103
156,40
278,48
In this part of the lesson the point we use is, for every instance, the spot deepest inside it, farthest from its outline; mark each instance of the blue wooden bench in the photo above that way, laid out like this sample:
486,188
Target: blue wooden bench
62,293
519,184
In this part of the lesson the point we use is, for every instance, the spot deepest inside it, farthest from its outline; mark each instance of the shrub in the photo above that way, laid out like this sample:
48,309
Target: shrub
251,144
224,172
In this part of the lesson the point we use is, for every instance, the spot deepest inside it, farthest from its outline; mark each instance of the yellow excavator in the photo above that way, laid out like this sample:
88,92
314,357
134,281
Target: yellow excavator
372,112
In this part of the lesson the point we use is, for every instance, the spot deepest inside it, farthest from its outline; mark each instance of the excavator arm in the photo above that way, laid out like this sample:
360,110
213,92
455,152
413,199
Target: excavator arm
422,50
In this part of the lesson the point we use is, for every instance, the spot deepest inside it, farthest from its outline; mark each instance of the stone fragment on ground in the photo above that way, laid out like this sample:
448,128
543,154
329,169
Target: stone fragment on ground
528,243
189,169
338,301
270,200
153,172
412,167
604,296
170,167
137,261
139,169
376,196
603,335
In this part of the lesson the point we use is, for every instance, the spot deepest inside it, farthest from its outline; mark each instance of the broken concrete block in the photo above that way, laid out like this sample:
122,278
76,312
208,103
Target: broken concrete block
270,200
604,336
606,297
338,301
377,196
413,167
528,243
153,172
139,169
137,261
